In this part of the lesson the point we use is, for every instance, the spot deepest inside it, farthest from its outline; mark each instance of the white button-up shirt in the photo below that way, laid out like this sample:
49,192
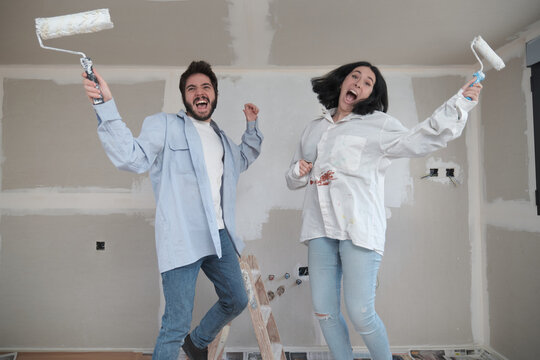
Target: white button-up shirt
344,197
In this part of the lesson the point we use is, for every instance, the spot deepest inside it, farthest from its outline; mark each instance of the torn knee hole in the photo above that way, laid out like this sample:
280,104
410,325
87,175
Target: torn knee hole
322,316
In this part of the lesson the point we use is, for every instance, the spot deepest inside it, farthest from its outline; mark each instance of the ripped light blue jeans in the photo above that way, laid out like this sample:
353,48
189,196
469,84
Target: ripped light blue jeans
329,261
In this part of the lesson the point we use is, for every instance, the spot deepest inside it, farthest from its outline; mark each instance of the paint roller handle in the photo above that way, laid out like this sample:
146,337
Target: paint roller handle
480,76
86,63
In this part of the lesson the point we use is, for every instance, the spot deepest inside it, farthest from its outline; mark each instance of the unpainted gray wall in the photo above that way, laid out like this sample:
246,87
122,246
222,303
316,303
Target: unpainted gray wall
512,234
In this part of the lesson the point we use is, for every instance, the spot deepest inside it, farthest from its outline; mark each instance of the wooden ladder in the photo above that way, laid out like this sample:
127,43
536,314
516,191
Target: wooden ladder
262,318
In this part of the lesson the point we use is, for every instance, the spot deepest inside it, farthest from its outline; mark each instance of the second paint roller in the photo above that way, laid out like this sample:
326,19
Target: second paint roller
80,23
489,55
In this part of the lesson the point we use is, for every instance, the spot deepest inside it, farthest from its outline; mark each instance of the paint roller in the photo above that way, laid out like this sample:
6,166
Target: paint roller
480,45
80,23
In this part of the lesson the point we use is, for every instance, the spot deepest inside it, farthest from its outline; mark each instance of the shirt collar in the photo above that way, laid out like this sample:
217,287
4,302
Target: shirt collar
328,113
213,124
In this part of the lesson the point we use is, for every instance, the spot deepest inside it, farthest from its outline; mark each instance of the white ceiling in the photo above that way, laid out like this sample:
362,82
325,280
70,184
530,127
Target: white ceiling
262,33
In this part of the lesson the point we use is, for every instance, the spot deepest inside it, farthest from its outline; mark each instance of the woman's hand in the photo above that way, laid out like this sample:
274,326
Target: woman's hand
304,167
473,91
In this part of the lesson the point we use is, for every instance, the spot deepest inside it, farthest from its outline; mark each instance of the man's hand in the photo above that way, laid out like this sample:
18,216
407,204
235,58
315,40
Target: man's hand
304,167
92,91
251,111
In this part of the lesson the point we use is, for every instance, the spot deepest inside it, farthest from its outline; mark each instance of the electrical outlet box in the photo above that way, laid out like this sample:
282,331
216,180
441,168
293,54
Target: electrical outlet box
303,271
100,245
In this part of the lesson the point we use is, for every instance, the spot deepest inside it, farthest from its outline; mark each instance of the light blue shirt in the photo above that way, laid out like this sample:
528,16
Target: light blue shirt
170,148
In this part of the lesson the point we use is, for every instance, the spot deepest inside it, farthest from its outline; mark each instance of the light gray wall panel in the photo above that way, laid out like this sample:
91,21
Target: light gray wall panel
504,121
513,278
58,291
49,134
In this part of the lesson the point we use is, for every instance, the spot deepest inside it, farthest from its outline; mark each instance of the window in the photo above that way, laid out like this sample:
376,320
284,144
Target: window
533,61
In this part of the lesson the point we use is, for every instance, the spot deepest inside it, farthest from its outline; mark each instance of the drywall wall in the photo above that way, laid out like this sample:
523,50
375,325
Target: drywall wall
512,233
514,291
49,135
428,248
505,136
59,292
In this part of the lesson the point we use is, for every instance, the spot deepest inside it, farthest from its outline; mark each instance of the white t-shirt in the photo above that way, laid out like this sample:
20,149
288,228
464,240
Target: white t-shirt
213,157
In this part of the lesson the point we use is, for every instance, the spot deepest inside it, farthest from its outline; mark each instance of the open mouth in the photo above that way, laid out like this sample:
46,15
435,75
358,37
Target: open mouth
201,103
351,96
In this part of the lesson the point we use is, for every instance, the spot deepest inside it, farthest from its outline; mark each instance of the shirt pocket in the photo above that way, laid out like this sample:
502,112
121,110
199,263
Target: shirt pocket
180,160
347,152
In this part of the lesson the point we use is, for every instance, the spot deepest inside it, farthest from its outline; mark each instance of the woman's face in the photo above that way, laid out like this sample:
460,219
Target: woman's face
356,87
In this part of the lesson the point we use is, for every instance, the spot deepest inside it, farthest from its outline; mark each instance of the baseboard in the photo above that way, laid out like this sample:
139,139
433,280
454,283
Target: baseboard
316,352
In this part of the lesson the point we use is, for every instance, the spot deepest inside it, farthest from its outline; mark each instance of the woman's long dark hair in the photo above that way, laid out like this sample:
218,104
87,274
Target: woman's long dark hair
328,87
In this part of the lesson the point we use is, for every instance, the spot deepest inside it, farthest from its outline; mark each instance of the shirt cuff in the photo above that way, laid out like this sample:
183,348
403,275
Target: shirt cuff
252,125
296,170
464,104
107,111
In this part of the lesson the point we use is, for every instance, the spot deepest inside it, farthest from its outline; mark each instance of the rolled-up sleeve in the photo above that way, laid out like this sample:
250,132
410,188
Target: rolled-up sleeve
250,147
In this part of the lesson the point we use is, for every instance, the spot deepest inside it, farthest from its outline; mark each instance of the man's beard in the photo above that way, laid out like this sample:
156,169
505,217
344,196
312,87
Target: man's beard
193,114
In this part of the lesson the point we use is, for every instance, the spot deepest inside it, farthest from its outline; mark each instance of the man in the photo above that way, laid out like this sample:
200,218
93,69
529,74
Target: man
194,169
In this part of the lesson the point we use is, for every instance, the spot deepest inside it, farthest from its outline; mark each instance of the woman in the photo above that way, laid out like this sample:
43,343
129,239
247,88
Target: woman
341,160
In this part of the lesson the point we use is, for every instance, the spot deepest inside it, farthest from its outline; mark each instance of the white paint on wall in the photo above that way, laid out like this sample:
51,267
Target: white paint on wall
475,183
398,181
513,215
529,132
287,105
251,31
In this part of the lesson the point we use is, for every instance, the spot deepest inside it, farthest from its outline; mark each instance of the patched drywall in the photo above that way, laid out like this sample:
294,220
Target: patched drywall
427,233
49,134
514,291
426,270
58,291
144,33
504,121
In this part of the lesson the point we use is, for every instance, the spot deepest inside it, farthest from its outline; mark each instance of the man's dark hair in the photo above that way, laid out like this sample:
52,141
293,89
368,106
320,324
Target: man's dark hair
328,87
197,67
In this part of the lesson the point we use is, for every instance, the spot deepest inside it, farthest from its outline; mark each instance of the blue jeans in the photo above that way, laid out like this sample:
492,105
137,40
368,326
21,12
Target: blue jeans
179,291
329,261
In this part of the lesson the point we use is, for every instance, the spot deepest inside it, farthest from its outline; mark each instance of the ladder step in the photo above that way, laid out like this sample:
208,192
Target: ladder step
266,310
255,274
260,311
277,349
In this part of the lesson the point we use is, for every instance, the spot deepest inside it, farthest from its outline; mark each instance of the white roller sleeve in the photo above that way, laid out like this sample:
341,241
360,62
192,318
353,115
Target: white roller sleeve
80,23
487,52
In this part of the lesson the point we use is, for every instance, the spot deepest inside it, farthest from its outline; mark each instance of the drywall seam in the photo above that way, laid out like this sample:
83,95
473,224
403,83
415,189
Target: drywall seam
2,159
512,215
251,31
26,203
71,74
475,185
526,88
